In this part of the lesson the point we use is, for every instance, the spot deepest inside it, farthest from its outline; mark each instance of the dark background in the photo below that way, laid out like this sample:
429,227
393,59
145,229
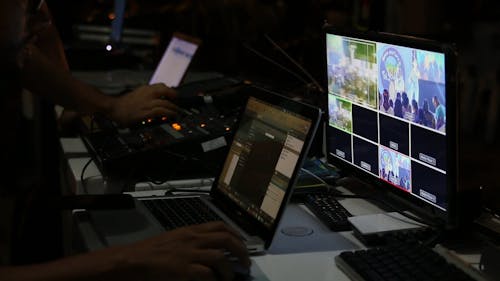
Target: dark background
225,26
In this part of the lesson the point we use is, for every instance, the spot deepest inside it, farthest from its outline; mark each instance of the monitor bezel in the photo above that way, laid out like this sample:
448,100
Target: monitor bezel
446,218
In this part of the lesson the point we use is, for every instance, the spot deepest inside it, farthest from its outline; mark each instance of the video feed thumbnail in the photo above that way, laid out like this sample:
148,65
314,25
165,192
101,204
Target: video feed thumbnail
411,85
431,108
394,134
428,147
339,143
395,168
364,122
429,184
352,69
365,155
340,113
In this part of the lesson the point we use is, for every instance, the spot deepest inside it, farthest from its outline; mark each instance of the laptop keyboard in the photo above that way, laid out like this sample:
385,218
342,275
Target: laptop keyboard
178,212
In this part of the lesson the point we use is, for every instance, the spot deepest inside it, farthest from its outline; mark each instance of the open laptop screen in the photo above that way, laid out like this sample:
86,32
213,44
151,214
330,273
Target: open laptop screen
175,61
263,158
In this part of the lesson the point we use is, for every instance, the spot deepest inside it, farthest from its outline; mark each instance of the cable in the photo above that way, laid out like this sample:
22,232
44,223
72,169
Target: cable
330,187
275,63
296,64
315,176
82,181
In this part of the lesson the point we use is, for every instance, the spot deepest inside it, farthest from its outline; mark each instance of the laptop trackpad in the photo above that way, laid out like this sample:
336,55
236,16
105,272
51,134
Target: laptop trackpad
118,227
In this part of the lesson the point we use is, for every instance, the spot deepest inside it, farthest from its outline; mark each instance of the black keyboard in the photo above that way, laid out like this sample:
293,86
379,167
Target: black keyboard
177,212
399,261
326,207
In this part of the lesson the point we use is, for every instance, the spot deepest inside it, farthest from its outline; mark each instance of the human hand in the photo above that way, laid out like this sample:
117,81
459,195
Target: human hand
195,252
142,103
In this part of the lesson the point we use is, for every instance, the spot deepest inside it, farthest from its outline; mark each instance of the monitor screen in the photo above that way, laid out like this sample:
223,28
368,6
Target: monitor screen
175,61
391,105
263,157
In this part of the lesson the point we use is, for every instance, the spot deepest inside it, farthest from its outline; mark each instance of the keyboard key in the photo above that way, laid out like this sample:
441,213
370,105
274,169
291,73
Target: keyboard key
177,212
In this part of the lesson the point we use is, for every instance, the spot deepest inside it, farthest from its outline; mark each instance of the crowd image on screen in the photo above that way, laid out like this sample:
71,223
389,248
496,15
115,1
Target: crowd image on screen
395,168
353,72
387,113
340,113
412,86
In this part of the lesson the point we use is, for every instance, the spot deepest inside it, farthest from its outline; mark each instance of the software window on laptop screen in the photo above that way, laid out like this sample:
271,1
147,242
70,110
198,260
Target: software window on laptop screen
263,157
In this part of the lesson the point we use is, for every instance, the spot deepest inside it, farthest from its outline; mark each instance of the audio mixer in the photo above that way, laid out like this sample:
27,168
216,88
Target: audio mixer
192,144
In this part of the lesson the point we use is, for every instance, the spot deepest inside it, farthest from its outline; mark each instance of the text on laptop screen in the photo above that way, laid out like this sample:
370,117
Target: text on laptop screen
262,158
387,114
174,63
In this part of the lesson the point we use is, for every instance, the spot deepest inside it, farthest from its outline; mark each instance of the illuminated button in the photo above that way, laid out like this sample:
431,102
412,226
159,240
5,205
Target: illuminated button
227,128
203,125
150,120
164,118
167,128
177,126
143,122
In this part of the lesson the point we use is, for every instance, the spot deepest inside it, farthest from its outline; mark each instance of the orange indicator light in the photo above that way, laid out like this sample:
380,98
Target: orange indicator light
177,126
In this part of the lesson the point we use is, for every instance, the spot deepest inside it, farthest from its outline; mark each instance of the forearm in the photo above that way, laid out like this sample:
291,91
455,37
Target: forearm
43,77
49,42
108,265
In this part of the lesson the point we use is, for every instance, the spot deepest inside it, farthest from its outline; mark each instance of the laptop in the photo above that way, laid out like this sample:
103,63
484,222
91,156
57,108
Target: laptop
173,66
175,60
255,181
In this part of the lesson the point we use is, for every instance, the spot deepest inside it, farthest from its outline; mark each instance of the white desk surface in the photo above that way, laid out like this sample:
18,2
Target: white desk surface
314,266
318,266
300,266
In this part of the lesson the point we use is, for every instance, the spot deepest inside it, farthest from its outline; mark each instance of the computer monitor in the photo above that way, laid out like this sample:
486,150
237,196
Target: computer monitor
391,117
